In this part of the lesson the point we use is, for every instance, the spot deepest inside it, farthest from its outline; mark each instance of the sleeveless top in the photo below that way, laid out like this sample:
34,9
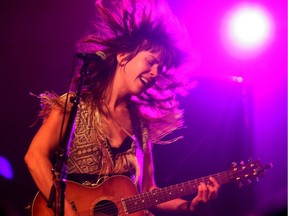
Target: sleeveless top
90,153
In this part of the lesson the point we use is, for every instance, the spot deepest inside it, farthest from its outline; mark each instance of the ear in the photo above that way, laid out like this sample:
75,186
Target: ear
121,58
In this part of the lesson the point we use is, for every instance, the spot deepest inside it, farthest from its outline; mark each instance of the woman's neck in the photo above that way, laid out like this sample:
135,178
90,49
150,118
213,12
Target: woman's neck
115,98
114,101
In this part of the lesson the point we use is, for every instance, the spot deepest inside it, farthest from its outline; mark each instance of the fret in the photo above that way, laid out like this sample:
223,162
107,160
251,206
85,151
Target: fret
217,177
196,182
203,180
191,186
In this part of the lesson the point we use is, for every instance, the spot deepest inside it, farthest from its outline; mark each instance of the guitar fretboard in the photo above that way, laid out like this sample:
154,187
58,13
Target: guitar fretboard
155,197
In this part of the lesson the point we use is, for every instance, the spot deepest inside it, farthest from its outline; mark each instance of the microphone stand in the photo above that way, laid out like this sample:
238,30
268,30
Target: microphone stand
57,192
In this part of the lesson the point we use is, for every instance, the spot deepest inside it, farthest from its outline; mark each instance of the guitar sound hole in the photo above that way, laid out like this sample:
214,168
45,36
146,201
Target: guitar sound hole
105,208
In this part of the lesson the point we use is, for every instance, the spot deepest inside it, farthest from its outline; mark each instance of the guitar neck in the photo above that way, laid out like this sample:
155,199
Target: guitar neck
155,197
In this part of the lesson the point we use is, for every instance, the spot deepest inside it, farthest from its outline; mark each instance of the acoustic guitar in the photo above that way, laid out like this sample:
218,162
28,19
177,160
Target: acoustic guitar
118,195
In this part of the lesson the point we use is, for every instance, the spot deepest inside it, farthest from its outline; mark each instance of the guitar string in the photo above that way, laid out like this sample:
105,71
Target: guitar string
107,207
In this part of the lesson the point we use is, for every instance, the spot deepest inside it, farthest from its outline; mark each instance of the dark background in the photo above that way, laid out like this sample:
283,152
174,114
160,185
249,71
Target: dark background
226,120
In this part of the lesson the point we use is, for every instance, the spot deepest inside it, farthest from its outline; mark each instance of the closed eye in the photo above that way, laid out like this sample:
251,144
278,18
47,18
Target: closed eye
151,62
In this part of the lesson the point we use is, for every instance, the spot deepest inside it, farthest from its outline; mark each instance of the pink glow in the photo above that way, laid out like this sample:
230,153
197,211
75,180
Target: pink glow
247,30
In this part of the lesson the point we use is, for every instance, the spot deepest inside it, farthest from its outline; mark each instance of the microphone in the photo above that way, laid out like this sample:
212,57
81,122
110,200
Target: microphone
98,56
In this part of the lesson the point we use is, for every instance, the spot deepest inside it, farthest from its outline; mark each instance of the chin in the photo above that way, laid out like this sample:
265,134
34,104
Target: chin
138,92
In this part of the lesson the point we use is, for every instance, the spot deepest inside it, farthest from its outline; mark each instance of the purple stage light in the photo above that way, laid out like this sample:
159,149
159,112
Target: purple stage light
5,168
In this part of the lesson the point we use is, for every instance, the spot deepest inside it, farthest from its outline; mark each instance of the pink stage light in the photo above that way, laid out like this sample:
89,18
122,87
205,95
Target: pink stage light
247,30
238,79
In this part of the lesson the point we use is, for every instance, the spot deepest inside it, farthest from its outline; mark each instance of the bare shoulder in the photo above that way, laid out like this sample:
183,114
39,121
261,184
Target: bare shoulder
47,137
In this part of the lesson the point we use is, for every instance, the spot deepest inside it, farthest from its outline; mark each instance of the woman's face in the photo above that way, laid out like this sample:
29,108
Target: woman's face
140,73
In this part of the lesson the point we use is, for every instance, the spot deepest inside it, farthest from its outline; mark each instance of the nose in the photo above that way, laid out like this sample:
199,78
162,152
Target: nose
154,71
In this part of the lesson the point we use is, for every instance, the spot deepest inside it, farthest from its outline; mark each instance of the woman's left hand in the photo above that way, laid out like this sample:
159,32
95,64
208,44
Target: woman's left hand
206,193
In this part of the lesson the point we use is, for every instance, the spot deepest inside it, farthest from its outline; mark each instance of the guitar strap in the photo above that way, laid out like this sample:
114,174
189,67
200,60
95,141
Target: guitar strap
137,124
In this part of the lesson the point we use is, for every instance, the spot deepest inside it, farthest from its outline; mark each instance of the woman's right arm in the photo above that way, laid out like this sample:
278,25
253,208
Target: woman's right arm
42,147
40,151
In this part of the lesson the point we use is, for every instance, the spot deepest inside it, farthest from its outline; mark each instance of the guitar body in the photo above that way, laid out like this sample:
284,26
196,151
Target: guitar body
101,200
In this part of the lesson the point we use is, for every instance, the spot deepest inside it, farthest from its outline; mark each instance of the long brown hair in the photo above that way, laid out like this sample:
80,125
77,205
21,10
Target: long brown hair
131,27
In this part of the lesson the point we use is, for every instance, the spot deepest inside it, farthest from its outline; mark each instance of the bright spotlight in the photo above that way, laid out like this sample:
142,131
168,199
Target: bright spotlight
247,29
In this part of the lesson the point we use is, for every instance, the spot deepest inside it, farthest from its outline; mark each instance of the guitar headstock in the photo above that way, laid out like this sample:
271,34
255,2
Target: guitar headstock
245,173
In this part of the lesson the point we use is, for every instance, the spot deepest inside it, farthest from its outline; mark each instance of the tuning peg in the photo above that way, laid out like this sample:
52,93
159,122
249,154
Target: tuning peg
240,184
249,181
243,165
270,165
234,166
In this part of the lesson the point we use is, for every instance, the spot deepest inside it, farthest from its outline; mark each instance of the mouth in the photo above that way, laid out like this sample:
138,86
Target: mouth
144,80
147,81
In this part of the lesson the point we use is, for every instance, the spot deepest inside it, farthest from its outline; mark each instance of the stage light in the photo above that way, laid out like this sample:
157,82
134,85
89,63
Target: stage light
5,168
238,79
247,30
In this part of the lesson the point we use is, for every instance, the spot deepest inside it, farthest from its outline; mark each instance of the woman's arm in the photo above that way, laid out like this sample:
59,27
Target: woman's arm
40,151
42,147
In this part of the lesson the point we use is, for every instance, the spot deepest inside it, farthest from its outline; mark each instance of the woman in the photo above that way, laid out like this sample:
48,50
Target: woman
127,103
